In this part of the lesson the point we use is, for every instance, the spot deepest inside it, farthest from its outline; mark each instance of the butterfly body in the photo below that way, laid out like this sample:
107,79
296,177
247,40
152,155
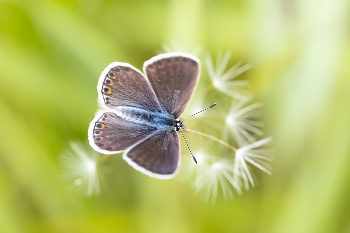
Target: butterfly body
141,111
158,120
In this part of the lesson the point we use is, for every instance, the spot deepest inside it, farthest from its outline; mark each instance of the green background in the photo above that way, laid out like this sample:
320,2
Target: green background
52,53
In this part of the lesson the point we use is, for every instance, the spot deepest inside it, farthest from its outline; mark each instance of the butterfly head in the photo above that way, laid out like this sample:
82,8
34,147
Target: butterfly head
178,125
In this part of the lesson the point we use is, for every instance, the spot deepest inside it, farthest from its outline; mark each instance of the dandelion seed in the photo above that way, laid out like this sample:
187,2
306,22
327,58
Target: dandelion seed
240,121
251,154
80,169
215,175
223,80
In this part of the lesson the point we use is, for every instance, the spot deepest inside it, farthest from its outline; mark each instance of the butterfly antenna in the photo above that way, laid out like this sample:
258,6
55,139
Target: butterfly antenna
194,158
200,112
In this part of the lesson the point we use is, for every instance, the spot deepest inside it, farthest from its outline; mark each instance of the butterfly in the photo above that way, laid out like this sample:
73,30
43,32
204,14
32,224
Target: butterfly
143,111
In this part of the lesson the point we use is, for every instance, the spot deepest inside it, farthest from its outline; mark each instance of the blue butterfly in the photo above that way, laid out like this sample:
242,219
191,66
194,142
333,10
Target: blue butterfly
143,111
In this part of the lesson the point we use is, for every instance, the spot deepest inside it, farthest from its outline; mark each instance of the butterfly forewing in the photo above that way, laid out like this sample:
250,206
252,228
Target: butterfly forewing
110,134
174,77
157,156
121,84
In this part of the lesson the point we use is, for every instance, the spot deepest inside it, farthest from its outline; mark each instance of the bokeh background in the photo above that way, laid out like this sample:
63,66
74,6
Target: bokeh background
51,56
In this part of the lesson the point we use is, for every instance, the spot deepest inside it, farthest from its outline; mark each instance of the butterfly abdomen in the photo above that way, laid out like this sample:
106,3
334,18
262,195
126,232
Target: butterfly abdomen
161,121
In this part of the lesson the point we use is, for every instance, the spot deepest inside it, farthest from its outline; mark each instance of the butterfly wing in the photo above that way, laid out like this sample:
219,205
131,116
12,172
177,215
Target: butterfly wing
121,84
111,134
157,156
174,77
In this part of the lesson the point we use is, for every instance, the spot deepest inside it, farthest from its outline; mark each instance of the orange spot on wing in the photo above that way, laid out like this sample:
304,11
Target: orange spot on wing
109,92
101,138
160,67
114,77
111,84
101,132
102,125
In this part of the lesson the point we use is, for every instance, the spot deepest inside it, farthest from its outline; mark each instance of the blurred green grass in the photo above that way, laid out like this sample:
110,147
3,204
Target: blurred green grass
52,53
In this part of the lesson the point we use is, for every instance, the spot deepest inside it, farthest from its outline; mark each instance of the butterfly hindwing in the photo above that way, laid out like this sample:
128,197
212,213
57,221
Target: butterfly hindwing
111,134
157,156
174,77
121,84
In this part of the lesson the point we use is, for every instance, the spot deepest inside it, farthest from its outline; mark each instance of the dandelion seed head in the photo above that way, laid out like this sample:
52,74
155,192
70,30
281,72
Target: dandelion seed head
79,169
214,170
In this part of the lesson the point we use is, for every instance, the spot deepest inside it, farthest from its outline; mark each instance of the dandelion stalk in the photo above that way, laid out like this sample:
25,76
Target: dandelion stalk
101,159
213,138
